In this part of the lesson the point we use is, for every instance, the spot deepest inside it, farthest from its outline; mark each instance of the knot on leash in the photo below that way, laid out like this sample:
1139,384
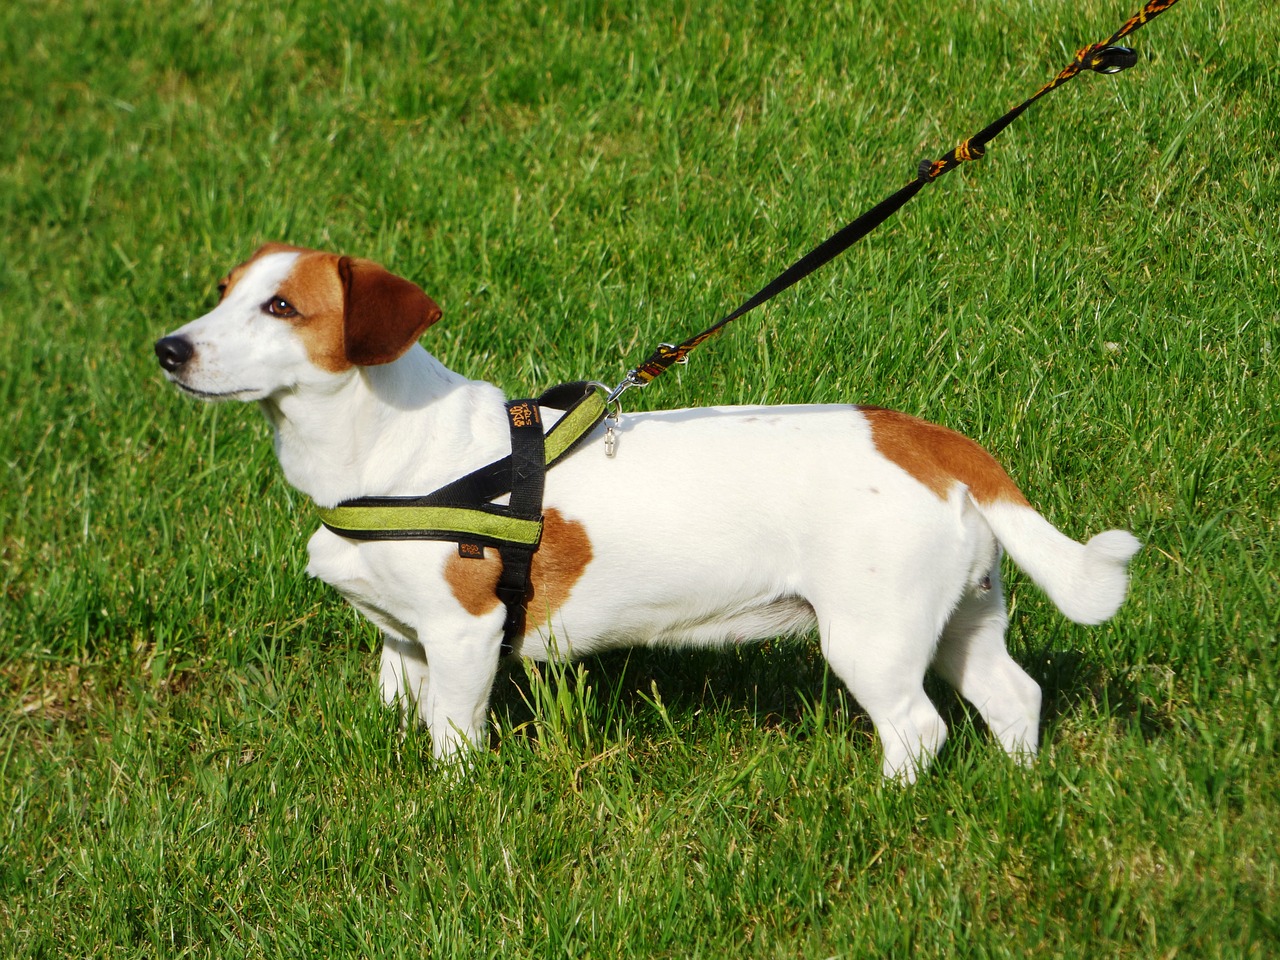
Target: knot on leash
966,151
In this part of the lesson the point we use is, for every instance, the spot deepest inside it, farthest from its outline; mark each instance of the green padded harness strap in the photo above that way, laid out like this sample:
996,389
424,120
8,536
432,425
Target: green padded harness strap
408,522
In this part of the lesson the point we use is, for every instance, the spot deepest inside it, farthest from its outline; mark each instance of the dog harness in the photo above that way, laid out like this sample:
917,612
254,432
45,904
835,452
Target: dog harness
463,511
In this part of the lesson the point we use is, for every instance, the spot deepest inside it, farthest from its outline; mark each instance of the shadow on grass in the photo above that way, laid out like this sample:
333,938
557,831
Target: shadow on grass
772,685
780,684
1072,681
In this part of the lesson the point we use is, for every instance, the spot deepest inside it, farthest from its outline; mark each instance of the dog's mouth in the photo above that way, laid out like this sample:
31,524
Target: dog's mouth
244,393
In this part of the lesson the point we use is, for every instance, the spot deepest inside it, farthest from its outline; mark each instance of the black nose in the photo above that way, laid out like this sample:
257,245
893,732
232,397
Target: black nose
173,352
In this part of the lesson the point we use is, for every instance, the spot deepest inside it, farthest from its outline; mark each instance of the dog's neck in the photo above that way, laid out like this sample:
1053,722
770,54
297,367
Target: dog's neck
398,429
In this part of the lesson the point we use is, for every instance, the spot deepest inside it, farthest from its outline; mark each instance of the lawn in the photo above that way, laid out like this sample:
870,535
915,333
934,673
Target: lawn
193,757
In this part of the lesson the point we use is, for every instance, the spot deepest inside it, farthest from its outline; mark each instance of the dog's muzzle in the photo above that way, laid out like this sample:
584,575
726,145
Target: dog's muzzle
173,352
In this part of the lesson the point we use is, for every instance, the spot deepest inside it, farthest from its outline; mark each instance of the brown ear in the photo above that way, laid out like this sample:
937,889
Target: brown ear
385,314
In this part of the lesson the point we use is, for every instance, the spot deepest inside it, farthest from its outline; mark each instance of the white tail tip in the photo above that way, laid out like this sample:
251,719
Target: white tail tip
1101,577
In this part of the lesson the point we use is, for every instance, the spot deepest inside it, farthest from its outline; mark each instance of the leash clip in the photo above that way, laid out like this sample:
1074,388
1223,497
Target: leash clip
629,381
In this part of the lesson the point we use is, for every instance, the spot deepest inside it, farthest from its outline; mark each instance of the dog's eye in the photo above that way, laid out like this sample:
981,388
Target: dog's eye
222,290
280,307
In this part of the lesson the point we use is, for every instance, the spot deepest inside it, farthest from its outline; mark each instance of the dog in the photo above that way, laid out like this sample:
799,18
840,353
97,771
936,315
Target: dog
710,526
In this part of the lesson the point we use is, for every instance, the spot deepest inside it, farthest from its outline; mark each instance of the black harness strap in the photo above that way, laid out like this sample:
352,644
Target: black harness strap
462,510
494,480
528,479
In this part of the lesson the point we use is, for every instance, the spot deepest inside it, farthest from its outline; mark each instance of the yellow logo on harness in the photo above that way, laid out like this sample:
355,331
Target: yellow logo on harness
524,415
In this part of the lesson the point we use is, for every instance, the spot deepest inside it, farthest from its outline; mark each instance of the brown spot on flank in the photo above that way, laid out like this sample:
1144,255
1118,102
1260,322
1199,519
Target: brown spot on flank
939,457
559,564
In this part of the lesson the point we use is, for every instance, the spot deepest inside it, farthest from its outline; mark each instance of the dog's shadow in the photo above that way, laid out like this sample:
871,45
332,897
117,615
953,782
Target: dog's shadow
782,684
775,684
1139,698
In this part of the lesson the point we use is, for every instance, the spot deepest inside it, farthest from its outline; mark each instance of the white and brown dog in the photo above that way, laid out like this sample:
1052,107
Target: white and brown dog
710,526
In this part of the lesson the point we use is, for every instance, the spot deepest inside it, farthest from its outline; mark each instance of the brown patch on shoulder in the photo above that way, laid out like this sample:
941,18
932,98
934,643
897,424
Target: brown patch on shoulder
559,564
473,582
939,457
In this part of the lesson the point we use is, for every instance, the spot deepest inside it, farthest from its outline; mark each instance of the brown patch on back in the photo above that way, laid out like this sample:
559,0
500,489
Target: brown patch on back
559,564
938,457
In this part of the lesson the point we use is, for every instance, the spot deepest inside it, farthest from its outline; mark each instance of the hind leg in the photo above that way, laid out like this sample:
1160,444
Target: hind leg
972,658
883,663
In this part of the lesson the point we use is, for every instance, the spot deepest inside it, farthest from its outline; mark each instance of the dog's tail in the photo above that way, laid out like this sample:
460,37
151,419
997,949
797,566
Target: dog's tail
1086,581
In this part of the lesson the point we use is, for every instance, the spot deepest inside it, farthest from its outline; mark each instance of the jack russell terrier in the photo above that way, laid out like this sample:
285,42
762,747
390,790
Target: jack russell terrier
710,526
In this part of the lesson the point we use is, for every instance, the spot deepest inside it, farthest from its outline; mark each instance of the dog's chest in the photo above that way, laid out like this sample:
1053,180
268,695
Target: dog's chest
383,580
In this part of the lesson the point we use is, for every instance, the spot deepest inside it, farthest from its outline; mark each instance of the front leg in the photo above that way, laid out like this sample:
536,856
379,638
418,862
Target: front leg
439,654
404,675
463,658
448,694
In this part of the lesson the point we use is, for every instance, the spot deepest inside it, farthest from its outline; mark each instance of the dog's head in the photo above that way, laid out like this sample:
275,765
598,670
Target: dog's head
289,317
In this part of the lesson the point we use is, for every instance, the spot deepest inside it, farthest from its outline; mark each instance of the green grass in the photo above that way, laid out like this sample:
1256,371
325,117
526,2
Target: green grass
193,760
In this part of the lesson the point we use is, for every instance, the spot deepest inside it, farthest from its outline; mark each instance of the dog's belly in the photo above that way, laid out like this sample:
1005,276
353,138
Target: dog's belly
781,617
785,616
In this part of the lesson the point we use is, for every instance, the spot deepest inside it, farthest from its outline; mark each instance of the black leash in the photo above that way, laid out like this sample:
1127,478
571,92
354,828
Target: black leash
1102,57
